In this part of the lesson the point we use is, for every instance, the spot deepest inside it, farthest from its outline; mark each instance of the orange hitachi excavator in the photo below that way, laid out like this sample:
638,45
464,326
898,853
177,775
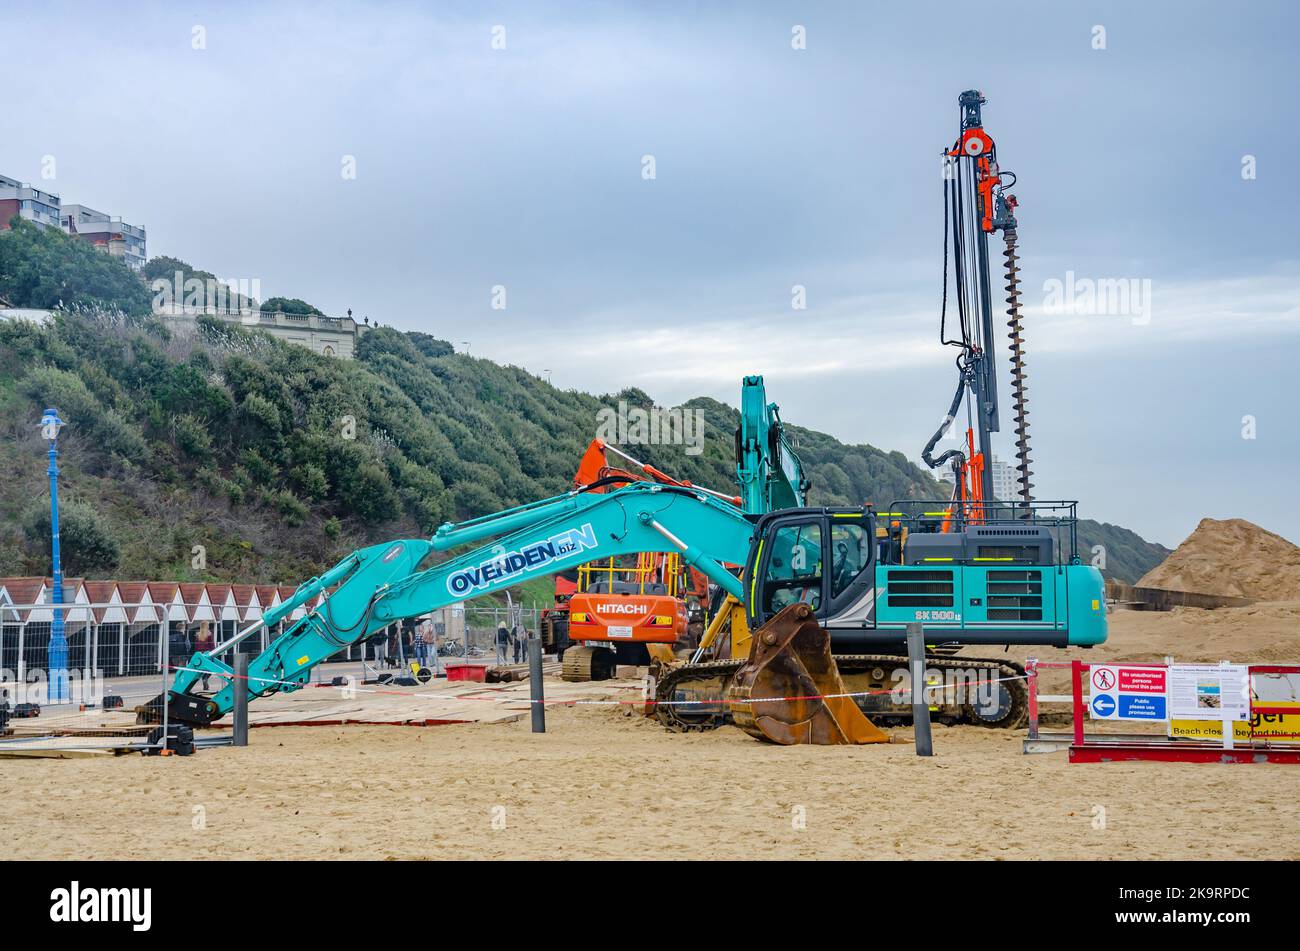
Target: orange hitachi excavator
624,610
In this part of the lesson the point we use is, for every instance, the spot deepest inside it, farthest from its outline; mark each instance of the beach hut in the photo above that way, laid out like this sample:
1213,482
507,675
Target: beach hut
109,620
143,627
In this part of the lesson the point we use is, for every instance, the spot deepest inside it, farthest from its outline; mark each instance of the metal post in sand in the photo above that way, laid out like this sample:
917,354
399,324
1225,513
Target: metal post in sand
535,684
240,712
920,709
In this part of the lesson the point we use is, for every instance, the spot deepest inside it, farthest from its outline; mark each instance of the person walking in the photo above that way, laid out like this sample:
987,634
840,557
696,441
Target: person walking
179,650
429,635
421,645
204,643
379,644
517,635
503,641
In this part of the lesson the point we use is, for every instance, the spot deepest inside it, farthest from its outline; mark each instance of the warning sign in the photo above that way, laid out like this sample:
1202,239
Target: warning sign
1274,727
1142,680
1209,691
1128,693
1278,691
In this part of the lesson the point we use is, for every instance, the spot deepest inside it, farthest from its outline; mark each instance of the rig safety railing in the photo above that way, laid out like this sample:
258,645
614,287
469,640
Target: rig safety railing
932,515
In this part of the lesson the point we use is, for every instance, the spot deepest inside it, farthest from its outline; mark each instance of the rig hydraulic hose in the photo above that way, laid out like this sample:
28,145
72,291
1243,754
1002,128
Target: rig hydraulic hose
943,427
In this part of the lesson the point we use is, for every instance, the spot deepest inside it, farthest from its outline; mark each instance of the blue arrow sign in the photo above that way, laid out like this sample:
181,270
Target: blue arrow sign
1103,705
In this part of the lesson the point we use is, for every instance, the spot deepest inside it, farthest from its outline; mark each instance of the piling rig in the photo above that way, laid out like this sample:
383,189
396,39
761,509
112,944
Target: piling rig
977,204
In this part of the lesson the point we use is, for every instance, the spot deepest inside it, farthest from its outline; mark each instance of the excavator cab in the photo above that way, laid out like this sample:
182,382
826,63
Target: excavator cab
821,557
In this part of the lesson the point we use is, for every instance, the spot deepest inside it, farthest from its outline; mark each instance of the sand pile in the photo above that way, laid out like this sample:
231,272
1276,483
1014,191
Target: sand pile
1234,558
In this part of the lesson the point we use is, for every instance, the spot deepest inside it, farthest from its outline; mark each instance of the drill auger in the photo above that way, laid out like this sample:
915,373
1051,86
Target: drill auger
1019,401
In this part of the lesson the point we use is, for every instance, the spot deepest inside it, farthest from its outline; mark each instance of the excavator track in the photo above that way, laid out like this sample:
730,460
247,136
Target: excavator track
1011,689
582,663
868,674
707,682
1019,400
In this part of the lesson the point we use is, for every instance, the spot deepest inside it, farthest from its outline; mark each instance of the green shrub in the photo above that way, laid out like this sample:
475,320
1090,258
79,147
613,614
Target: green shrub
290,507
261,411
192,438
54,387
45,268
367,492
87,545
289,305
311,481
258,467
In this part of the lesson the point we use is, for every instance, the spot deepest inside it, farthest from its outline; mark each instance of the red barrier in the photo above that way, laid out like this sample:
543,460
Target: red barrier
1118,747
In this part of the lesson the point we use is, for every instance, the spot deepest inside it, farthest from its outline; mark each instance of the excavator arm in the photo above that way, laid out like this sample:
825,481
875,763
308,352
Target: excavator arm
769,471
375,586
771,477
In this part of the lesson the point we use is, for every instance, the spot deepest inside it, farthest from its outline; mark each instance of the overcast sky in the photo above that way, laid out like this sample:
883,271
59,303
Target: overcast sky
773,167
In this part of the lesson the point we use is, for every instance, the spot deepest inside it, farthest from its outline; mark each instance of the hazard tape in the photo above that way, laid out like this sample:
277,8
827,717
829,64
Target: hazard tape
596,703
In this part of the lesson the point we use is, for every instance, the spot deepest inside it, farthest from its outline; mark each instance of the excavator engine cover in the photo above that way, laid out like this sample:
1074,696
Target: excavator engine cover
790,691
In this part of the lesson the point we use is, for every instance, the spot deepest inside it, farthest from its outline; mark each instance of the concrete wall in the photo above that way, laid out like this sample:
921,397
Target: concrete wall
329,336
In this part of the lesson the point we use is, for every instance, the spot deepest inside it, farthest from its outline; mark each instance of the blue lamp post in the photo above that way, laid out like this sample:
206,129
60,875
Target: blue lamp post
58,650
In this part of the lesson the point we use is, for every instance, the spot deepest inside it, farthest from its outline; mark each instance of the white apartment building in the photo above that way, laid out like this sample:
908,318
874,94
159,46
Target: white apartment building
1005,486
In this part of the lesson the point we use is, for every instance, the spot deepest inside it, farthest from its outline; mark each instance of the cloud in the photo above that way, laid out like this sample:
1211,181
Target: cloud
704,349
1255,305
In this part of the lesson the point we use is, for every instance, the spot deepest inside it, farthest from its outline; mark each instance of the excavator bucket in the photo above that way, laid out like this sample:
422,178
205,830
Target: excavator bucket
790,691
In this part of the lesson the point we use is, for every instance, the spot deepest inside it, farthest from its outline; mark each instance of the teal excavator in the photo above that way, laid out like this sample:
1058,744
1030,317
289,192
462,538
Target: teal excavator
376,586
768,470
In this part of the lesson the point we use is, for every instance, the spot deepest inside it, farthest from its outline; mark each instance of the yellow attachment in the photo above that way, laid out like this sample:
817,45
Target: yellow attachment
661,653
732,613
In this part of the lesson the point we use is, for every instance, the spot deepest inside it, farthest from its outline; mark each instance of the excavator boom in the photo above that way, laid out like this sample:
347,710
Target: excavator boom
384,583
